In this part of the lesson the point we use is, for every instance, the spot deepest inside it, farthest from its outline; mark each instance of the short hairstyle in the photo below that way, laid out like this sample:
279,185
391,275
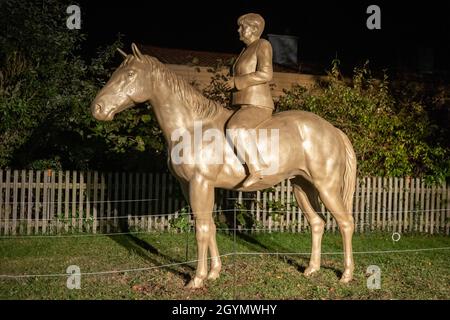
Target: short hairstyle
254,20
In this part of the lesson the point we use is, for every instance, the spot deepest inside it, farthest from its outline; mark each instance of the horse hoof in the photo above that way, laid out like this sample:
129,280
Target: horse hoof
213,274
347,276
195,283
310,271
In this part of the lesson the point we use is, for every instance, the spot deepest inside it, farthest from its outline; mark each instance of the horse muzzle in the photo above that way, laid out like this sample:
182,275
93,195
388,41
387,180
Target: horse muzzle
100,112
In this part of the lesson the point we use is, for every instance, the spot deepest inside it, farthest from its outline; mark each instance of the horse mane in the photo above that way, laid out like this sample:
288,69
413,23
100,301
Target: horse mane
202,106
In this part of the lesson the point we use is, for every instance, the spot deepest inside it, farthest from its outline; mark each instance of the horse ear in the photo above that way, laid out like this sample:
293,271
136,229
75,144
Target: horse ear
122,53
136,52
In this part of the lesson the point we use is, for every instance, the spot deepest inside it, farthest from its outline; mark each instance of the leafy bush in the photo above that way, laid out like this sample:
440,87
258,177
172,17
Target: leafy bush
182,222
216,89
46,88
392,134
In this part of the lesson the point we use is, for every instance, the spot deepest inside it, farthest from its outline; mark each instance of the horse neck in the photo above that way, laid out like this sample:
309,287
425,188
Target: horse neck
172,113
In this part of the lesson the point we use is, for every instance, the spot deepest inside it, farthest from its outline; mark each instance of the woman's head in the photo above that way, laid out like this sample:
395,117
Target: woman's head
253,22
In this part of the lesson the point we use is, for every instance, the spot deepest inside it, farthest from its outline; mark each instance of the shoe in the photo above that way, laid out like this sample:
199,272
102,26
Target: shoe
252,179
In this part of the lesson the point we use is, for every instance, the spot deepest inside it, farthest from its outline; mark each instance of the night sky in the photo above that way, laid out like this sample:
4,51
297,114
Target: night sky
325,29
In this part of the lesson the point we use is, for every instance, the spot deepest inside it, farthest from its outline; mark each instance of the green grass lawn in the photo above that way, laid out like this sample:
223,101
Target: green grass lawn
404,275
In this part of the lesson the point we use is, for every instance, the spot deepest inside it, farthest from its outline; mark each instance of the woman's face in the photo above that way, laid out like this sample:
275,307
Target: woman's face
246,32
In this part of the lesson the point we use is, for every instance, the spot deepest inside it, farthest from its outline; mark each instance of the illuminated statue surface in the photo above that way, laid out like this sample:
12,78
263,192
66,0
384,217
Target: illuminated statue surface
316,156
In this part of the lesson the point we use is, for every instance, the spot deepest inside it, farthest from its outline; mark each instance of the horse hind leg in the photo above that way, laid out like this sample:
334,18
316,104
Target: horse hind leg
307,198
332,199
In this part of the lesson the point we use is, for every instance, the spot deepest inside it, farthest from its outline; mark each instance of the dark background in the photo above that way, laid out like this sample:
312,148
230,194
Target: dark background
326,29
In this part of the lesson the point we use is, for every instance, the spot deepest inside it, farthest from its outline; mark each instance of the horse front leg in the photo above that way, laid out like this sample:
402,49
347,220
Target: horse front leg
201,198
216,264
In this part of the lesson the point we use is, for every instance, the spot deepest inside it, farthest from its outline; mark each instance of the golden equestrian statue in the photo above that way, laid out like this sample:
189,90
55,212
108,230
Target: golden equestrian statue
317,157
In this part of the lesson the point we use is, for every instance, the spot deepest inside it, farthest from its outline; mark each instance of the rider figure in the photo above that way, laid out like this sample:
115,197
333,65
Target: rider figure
252,72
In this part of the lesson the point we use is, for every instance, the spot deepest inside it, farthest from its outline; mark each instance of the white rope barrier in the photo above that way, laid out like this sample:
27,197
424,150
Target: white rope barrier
213,211
221,256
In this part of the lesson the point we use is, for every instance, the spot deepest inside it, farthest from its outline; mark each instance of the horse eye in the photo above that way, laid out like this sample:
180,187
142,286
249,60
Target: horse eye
130,73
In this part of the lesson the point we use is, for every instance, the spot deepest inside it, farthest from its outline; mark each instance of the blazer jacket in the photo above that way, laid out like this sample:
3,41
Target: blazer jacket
252,72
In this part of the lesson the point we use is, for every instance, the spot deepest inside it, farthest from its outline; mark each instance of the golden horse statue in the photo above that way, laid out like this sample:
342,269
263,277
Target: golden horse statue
317,157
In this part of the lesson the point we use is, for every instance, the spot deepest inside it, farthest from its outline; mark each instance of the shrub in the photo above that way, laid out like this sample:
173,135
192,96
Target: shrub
392,135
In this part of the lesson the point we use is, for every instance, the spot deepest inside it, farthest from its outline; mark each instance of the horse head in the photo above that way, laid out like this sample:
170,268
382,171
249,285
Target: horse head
125,88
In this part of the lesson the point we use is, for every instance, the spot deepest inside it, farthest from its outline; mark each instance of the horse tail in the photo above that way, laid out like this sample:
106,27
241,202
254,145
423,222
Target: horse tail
350,173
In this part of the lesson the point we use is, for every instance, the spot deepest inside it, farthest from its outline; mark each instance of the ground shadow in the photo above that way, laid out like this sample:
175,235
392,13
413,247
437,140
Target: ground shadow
300,262
147,251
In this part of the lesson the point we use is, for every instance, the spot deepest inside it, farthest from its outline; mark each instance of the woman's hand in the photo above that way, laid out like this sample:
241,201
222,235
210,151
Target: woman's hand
229,84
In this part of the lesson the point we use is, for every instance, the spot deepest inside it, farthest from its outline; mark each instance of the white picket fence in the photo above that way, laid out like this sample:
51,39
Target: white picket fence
48,202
